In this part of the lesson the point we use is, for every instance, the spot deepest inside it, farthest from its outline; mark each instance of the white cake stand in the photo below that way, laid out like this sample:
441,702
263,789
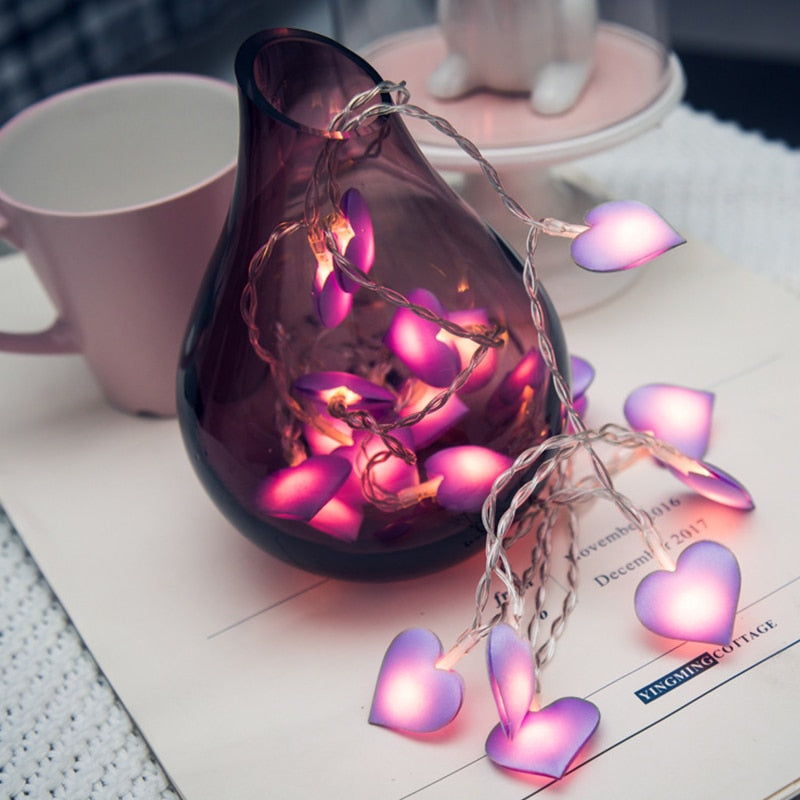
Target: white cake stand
634,84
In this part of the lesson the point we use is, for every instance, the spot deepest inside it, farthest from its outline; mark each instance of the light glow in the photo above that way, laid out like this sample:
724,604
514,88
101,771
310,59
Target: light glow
518,385
338,519
357,393
510,663
414,341
622,234
697,601
299,492
548,740
412,694
471,318
359,247
468,473
435,423
392,475
713,483
675,414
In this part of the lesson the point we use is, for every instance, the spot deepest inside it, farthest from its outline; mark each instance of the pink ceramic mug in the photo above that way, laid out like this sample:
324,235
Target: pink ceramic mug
117,192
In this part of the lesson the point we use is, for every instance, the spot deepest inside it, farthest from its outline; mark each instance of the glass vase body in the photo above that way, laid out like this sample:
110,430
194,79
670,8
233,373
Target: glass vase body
256,332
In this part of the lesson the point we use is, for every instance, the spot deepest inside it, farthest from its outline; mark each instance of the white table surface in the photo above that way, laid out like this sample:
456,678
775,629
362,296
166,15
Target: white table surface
64,734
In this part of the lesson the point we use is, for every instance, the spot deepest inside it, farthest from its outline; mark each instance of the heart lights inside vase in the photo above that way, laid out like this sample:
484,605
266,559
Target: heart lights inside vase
341,390
373,385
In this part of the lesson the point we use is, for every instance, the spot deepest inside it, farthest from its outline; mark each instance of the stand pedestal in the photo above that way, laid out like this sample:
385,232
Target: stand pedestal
634,84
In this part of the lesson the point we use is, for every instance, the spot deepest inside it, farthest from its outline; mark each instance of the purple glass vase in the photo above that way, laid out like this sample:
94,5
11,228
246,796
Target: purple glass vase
341,418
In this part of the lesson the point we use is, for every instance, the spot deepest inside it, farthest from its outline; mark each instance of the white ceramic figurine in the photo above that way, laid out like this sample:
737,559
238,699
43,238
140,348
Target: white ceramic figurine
544,47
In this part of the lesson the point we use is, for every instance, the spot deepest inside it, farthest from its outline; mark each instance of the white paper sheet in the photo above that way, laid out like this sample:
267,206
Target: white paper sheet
252,679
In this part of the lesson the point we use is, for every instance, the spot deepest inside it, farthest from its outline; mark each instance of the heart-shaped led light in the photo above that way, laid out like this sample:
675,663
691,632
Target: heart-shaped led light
339,519
465,347
412,694
392,474
467,474
712,482
676,414
622,234
510,664
517,386
331,302
360,250
299,492
547,740
414,341
697,601
357,394
434,423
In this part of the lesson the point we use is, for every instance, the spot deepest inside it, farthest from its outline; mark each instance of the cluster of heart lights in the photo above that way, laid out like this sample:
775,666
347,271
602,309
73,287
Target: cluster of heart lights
362,449
694,599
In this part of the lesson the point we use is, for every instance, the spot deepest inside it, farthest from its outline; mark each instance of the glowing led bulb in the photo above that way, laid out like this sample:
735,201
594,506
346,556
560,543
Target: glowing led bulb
300,491
548,740
697,601
621,235
360,249
435,423
412,694
415,342
467,474
675,414
510,663
465,347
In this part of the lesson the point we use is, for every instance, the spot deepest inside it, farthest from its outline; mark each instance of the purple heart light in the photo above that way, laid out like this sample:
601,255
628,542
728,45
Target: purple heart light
300,491
391,473
676,414
331,302
711,482
519,383
622,234
548,740
355,392
482,374
697,602
360,249
415,342
412,694
467,473
430,427
339,519
510,664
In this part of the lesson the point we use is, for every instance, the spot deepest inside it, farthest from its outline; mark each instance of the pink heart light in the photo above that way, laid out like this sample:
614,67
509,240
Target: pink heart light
548,740
299,492
711,482
697,602
331,302
414,341
360,250
339,519
510,664
412,694
357,393
676,414
391,475
435,423
467,474
622,234
465,347
517,385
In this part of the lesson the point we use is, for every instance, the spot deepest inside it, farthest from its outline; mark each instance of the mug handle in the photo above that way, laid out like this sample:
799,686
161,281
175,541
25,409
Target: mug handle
56,339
